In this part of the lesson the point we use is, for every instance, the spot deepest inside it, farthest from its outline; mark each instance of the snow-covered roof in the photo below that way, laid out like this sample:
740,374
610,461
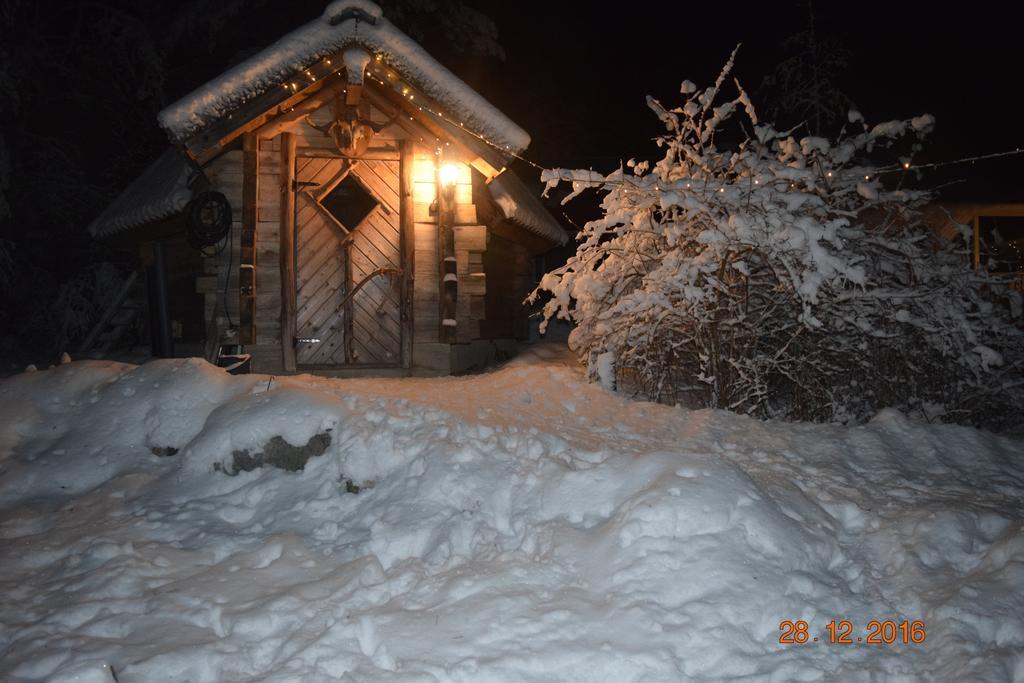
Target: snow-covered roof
161,191
524,207
322,38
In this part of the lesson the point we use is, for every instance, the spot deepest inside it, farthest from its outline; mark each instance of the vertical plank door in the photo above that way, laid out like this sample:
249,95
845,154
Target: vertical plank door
348,241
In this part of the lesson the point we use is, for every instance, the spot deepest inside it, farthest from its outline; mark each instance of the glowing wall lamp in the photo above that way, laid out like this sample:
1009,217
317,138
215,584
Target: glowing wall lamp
448,175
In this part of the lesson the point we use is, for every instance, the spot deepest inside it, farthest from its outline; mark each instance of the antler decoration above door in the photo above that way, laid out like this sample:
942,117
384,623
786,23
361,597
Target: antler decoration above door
350,131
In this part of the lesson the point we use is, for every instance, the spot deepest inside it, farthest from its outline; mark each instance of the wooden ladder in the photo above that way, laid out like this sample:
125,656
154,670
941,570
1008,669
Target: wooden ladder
117,319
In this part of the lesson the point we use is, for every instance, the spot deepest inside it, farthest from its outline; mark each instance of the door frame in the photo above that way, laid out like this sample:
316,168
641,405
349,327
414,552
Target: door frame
406,250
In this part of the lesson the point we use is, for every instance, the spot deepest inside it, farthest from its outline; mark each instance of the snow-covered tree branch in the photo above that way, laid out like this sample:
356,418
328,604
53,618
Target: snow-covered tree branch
784,276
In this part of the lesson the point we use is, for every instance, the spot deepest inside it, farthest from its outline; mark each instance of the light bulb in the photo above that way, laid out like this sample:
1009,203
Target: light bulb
448,174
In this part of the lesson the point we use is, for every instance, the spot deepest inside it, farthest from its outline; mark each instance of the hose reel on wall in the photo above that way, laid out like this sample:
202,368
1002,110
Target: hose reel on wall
208,230
209,221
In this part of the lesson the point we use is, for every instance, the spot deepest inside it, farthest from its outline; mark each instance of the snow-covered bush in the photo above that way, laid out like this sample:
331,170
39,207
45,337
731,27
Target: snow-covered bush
782,276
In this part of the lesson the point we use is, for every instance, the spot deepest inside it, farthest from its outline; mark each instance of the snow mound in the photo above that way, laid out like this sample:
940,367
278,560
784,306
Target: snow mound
520,525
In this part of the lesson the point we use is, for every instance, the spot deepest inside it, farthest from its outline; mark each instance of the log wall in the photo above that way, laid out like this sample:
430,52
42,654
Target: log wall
494,273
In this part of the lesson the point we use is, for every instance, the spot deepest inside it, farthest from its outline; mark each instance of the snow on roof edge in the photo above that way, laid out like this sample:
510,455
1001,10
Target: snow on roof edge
520,205
319,39
160,191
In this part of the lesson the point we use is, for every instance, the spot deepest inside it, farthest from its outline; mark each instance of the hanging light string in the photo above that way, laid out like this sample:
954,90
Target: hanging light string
409,93
406,90
907,165
504,149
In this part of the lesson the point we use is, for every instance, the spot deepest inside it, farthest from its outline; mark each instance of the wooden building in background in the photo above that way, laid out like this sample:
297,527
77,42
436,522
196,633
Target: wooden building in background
338,203
995,231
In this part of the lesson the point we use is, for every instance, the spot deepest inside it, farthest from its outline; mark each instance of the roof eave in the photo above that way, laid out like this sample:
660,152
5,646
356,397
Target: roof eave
310,54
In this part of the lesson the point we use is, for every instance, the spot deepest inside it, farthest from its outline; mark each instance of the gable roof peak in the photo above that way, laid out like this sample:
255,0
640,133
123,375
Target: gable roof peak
344,24
342,10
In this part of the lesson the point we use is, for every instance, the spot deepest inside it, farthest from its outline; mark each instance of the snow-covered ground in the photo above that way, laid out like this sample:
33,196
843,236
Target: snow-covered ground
519,525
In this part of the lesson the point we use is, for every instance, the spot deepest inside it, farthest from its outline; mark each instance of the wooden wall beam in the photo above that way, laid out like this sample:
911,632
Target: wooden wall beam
353,94
287,251
407,230
449,265
247,242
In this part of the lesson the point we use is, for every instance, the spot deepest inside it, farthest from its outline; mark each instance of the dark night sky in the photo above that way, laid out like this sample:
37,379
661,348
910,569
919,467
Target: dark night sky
576,78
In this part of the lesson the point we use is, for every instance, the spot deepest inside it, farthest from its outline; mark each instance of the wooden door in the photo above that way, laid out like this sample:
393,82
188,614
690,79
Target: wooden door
348,262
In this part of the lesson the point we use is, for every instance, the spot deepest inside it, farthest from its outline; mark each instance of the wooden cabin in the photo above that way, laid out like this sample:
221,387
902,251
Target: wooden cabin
338,203
996,232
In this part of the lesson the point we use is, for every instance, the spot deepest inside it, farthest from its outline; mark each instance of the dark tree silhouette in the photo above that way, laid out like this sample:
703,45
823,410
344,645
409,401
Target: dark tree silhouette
802,88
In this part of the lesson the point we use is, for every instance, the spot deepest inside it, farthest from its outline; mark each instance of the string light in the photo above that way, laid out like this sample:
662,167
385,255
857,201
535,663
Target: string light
965,160
408,92
505,148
